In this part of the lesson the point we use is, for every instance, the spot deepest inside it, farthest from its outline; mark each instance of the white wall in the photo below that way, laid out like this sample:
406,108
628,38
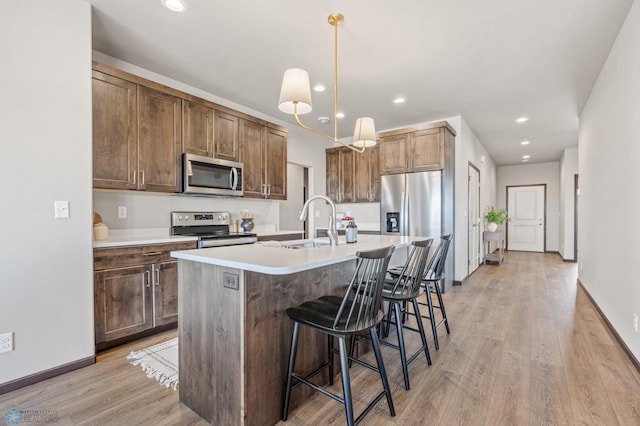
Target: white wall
469,149
290,209
46,278
566,228
609,153
536,174
152,210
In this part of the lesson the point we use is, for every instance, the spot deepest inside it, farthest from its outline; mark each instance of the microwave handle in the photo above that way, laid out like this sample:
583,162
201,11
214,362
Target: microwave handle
234,178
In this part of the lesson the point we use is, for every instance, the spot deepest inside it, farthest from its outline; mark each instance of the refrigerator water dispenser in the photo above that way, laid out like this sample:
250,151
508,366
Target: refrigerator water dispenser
393,221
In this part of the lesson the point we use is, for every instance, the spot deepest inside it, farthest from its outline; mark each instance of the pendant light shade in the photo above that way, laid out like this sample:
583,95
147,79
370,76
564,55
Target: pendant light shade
365,133
295,91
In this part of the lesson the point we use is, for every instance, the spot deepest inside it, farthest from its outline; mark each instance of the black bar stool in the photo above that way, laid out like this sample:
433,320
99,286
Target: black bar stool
358,311
401,289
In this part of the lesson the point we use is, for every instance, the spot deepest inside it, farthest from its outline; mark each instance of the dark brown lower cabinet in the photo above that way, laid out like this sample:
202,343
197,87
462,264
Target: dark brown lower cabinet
135,291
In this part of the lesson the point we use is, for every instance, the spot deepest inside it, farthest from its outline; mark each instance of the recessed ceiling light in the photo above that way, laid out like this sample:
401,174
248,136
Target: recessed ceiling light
526,157
399,100
174,5
525,142
340,115
522,120
319,88
324,120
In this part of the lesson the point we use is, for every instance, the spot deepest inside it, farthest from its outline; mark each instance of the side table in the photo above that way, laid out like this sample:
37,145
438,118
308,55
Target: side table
498,237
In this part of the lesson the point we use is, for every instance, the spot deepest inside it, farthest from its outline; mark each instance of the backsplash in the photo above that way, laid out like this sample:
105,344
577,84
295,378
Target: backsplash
152,210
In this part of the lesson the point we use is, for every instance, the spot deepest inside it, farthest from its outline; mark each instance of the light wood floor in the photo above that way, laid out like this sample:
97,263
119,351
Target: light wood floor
527,347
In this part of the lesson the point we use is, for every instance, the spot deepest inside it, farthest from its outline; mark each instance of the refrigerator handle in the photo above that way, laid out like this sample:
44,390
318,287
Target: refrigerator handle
404,215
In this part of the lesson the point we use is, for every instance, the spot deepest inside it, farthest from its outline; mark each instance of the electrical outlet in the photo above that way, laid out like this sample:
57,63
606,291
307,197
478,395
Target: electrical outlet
230,280
6,342
635,322
122,212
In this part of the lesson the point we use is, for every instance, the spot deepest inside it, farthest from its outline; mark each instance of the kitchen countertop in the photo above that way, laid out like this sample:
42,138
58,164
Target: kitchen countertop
141,236
273,259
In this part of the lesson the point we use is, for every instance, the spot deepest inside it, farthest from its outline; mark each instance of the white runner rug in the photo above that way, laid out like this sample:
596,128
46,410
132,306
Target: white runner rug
159,361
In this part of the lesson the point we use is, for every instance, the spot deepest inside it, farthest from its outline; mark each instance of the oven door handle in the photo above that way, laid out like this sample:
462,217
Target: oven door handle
234,178
220,242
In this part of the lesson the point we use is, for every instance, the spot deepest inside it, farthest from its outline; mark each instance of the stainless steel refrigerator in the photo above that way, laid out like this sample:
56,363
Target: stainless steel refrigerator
417,204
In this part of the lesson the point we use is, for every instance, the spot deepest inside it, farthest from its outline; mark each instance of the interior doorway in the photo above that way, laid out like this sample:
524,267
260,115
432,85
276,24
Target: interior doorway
473,219
526,228
297,194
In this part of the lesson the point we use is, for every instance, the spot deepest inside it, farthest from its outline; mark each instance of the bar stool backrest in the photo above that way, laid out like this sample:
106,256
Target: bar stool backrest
410,278
435,270
361,302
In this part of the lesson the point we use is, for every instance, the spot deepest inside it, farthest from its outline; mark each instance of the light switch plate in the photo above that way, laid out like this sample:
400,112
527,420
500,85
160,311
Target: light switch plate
61,209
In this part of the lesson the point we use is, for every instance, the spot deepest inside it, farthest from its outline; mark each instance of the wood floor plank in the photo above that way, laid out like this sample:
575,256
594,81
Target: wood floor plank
526,347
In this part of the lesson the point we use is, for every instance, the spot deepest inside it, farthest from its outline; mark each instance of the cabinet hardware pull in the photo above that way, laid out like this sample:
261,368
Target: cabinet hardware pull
148,274
158,277
152,253
142,178
133,175
268,190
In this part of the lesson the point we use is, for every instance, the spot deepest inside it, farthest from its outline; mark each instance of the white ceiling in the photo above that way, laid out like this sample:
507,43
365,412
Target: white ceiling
490,61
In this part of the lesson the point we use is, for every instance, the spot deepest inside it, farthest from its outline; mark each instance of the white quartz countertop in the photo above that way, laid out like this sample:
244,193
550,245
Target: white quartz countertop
134,237
273,259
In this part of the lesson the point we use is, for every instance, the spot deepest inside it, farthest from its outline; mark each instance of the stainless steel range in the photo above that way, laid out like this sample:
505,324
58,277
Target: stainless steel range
211,228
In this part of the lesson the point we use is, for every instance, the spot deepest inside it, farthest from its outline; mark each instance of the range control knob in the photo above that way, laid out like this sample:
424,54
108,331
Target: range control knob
186,217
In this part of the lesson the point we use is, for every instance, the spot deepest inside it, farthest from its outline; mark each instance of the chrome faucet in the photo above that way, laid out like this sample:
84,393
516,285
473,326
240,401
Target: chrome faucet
331,231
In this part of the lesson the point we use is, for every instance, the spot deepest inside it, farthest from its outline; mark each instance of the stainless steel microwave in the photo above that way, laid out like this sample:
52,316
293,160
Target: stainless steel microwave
211,176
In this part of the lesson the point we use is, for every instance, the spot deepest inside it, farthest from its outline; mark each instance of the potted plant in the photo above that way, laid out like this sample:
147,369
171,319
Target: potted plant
495,217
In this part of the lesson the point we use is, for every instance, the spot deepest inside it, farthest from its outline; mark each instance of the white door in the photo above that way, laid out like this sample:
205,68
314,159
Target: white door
526,226
474,219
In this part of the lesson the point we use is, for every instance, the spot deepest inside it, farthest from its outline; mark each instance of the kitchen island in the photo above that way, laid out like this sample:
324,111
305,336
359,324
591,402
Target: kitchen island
234,334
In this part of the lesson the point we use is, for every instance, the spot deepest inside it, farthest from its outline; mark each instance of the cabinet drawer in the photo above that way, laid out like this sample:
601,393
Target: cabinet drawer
122,257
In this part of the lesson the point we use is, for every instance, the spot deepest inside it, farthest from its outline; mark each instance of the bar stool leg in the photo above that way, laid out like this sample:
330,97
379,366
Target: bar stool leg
292,360
432,317
330,346
416,309
383,373
403,352
346,384
441,303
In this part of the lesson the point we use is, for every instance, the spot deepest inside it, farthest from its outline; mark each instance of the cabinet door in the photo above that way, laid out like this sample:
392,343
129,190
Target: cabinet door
347,175
115,153
165,293
427,151
275,164
226,136
251,156
197,129
333,176
394,154
159,140
362,171
123,304
375,172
